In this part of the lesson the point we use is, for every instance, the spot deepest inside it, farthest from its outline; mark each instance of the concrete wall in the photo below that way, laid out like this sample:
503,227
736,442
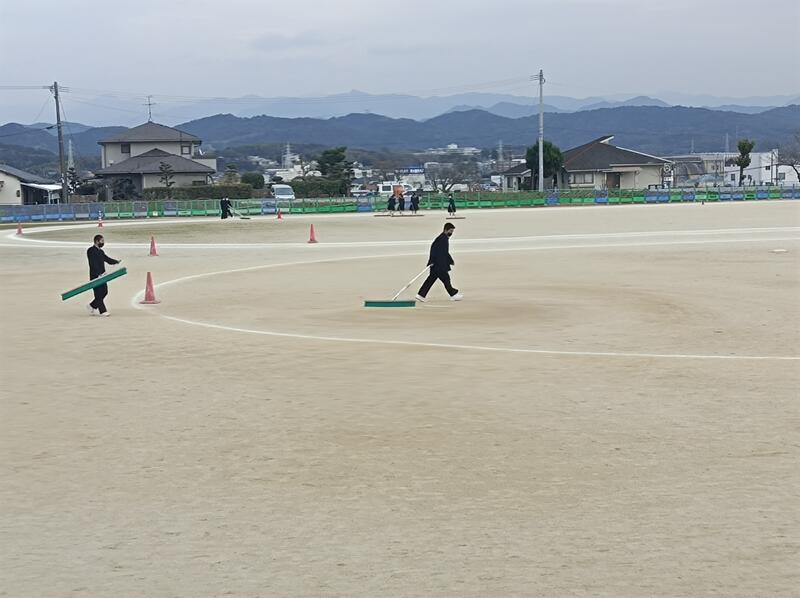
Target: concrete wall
180,180
9,187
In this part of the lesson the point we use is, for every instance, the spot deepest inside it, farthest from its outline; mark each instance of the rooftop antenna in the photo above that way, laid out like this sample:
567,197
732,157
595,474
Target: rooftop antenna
149,105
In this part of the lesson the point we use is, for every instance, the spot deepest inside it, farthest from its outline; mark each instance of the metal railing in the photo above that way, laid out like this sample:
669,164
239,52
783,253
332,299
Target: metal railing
119,210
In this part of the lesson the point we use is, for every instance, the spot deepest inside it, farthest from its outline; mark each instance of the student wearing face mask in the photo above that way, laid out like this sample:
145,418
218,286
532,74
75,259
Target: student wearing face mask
440,262
97,267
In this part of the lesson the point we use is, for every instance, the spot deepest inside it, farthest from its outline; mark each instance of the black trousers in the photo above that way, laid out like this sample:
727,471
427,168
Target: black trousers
100,294
433,277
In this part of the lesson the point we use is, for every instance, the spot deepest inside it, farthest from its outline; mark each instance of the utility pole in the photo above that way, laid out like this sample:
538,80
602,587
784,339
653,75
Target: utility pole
540,78
61,163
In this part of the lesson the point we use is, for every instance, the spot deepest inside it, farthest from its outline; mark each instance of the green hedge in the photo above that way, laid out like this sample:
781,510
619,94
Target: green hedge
200,192
318,188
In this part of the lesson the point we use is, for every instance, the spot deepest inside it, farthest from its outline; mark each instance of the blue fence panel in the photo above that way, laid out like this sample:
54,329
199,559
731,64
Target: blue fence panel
52,212
96,210
688,196
67,211
650,198
81,211
551,201
601,199
269,207
170,208
725,196
140,209
6,213
738,195
36,212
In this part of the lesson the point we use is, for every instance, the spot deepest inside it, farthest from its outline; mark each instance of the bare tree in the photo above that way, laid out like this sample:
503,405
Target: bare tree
443,177
789,153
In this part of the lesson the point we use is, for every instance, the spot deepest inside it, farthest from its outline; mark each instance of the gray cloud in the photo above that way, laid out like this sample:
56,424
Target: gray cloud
318,47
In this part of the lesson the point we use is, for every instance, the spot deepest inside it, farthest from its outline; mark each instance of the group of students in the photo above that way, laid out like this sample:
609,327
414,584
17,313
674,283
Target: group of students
397,203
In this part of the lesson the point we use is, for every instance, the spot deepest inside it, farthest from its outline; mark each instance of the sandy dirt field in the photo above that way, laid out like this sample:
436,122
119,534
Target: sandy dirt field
613,410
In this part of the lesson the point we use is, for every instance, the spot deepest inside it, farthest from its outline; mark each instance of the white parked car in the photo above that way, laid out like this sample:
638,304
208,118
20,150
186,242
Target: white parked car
283,192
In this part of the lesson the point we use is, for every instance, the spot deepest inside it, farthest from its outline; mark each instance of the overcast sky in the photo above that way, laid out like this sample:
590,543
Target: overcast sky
431,47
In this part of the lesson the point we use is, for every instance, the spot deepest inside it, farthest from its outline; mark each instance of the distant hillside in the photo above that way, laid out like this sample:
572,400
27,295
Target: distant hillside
637,101
649,129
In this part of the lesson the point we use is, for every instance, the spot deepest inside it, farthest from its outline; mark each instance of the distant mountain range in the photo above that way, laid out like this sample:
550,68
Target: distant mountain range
651,129
114,110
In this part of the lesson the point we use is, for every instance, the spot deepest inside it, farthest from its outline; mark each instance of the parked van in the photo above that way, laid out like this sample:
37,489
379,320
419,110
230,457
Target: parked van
283,192
387,188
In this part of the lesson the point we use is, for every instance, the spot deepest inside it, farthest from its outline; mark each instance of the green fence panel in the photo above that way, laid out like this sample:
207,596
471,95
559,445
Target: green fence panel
111,210
638,199
774,194
538,201
676,197
124,209
614,199
750,195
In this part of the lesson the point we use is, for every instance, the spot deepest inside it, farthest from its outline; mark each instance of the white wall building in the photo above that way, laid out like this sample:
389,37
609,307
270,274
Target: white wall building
18,187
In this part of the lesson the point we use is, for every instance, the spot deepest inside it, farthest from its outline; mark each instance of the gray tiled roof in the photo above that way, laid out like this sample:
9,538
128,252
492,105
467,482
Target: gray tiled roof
599,154
150,163
519,169
150,131
25,177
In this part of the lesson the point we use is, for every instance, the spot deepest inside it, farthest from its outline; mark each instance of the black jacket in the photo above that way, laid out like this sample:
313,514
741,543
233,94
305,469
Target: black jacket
439,259
97,261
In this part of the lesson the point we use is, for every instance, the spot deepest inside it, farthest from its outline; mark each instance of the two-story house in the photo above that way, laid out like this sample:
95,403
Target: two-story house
133,160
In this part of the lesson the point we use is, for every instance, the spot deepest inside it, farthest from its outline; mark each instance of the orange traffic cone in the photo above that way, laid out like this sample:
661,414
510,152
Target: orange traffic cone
313,237
100,222
19,229
153,252
280,216
149,292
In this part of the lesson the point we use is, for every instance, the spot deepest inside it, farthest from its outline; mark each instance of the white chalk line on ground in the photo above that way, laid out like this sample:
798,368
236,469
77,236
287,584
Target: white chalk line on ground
640,355
481,240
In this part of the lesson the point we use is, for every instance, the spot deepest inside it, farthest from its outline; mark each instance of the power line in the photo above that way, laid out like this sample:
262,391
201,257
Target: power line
28,130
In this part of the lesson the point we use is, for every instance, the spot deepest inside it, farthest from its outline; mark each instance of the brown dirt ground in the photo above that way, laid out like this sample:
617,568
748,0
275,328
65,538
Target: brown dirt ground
145,456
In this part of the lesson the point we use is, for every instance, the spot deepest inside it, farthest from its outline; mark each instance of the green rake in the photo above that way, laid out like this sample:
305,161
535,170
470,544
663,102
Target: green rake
393,302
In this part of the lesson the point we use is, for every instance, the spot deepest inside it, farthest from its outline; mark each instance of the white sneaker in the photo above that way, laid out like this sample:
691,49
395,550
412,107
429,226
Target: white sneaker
106,314
92,311
457,297
421,298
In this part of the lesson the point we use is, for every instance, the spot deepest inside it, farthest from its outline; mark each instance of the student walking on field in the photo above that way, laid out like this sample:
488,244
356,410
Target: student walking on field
440,262
414,202
97,267
451,205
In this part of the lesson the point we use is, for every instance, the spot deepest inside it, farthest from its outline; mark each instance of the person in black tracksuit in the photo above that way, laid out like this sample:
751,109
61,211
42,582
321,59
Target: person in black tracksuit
225,208
414,202
401,202
440,262
97,267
